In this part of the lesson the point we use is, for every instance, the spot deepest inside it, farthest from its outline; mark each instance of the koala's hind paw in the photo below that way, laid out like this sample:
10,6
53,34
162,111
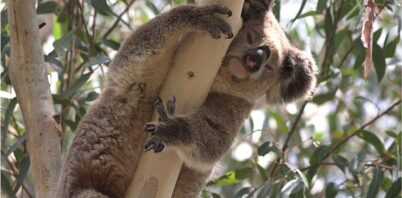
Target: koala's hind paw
155,144
160,131
168,112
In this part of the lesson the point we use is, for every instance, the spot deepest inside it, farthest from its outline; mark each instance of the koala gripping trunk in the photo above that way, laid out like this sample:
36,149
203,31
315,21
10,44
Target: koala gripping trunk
196,64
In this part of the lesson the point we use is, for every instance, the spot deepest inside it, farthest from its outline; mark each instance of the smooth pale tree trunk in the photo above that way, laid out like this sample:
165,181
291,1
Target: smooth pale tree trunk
29,79
196,65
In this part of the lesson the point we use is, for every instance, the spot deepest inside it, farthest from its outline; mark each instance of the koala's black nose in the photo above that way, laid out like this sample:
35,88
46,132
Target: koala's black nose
255,58
288,65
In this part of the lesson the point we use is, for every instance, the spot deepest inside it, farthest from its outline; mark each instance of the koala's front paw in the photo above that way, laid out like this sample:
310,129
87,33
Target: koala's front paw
204,18
163,132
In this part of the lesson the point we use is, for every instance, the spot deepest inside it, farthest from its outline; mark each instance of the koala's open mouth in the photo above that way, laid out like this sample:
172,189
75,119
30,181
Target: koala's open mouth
252,62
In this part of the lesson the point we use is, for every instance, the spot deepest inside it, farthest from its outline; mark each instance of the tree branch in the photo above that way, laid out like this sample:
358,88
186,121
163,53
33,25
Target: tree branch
343,141
118,20
149,177
29,79
361,128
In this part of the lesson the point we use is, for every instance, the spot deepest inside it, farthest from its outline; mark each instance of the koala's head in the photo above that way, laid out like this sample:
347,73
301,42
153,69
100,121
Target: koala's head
260,60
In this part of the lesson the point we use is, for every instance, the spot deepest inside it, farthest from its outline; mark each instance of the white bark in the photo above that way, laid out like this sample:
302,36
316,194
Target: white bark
197,62
29,79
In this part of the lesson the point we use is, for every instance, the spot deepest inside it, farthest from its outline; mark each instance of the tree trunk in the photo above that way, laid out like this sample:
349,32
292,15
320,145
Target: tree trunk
29,79
197,62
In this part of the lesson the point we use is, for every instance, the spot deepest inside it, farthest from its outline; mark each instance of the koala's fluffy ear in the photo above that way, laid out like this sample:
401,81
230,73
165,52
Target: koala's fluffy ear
298,71
256,8
260,5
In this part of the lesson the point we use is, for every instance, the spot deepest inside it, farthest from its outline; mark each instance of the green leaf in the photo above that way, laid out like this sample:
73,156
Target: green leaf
6,186
4,40
340,36
263,172
379,61
391,134
242,192
61,45
281,125
70,91
300,11
292,187
375,183
231,177
7,118
307,14
47,7
395,189
266,148
19,141
303,178
376,35
318,154
276,9
323,98
340,162
331,190
97,60
22,170
112,44
390,48
372,139
321,5
101,6
92,96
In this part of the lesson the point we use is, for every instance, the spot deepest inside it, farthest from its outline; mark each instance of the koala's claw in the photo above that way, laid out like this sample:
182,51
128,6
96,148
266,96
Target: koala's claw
154,144
159,148
150,127
230,35
149,146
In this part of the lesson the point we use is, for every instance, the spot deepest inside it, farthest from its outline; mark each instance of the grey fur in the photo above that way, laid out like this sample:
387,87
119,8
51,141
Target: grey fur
109,140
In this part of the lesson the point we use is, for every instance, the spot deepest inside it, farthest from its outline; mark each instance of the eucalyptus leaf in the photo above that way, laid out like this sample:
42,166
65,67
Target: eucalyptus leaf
375,183
47,7
372,139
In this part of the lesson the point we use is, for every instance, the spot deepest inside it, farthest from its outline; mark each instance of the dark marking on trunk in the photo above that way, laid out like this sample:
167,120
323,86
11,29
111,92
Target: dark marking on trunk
190,74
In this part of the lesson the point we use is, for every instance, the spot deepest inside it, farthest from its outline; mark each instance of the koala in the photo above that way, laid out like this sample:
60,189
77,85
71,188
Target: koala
110,138
259,62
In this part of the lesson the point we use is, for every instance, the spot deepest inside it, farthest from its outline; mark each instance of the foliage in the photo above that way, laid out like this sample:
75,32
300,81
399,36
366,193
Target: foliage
344,142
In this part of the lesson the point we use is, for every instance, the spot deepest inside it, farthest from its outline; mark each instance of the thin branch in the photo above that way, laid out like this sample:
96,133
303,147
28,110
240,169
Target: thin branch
293,129
353,134
361,128
286,144
118,20
345,57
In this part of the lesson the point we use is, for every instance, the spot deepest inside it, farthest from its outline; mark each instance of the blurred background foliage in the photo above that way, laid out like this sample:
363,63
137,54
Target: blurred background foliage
344,142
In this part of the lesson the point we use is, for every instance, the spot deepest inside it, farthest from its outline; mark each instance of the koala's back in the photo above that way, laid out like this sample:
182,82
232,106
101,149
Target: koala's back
106,147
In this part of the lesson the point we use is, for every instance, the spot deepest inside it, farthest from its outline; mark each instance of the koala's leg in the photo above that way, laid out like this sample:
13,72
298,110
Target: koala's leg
147,54
200,138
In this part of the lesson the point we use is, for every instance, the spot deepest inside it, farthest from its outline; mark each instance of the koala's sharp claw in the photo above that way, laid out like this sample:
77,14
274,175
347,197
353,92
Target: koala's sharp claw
158,100
150,127
230,35
159,148
149,146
